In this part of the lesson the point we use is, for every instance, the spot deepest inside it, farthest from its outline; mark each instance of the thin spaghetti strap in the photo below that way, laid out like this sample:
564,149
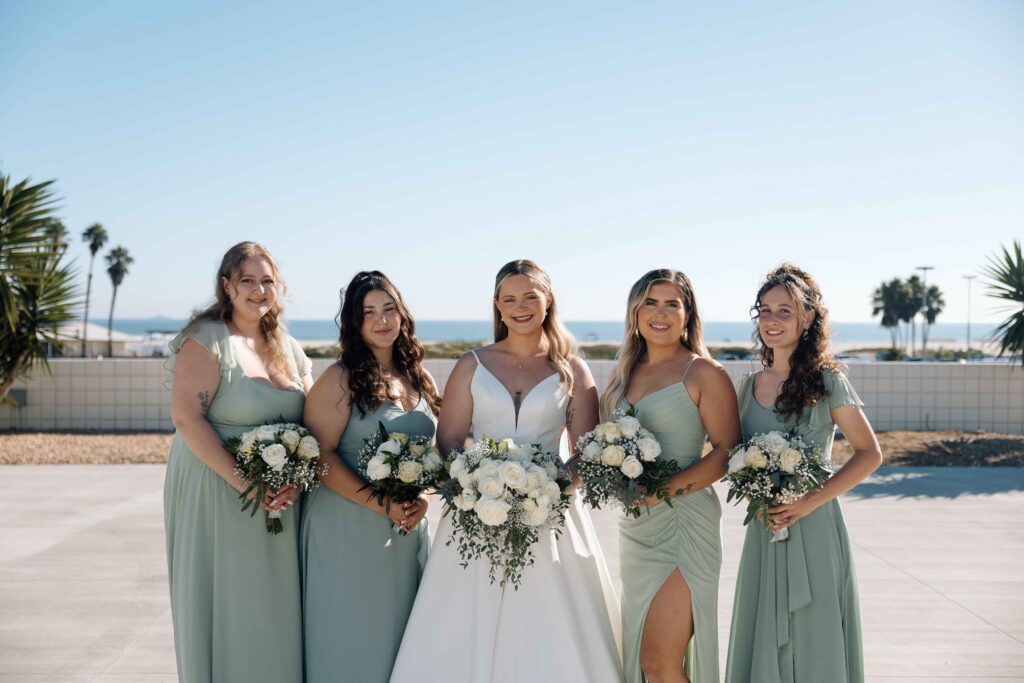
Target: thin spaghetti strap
475,357
688,366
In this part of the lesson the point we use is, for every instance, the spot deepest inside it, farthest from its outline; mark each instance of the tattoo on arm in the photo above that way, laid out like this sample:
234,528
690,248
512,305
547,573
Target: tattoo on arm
568,417
204,401
686,490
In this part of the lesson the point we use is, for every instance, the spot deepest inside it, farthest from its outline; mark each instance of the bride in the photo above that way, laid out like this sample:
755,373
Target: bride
562,624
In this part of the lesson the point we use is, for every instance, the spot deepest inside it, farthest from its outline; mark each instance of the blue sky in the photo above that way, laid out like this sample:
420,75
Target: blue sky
435,141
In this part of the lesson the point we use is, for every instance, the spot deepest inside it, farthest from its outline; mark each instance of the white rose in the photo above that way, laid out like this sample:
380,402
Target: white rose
645,433
553,491
513,474
550,469
308,448
755,458
608,431
247,443
290,438
275,455
649,447
613,455
536,477
491,486
432,461
409,471
774,442
377,468
492,511
417,449
629,426
592,452
520,455
389,447
505,445
487,469
542,501
737,461
537,517
266,433
631,467
466,500
789,459
458,466
466,480
399,437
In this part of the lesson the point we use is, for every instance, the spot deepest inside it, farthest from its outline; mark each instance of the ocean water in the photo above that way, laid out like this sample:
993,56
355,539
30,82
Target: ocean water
869,334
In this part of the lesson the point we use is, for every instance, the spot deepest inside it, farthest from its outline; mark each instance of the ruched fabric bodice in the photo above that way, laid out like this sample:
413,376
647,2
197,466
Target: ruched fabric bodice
417,422
671,414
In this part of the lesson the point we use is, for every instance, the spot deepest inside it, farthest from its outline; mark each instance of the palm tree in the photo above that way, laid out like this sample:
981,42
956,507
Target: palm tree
885,301
58,235
37,294
96,236
934,304
910,306
1006,281
118,261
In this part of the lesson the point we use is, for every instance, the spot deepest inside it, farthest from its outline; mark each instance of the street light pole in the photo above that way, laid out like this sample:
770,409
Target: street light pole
969,278
924,309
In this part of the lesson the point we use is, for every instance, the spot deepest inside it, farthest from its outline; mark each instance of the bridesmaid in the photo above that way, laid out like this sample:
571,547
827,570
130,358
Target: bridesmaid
234,587
360,575
796,617
670,559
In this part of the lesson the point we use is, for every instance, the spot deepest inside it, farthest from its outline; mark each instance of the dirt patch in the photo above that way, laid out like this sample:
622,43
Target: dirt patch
942,449
26,448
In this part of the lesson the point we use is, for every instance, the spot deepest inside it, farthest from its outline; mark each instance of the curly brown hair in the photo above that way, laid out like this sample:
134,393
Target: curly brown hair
805,385
366,383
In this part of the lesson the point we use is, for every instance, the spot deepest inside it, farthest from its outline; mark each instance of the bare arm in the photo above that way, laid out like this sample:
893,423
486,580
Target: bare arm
582,415
196,380
716,401
457,408
326,415
867,456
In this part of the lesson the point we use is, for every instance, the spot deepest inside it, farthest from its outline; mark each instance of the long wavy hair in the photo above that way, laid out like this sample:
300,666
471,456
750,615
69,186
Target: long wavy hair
560,343
805,385
271,324
634,346
366,383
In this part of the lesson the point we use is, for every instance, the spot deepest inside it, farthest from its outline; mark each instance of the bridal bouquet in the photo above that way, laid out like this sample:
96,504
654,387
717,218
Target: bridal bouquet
501,495
398,467
273,456
619,464
771,469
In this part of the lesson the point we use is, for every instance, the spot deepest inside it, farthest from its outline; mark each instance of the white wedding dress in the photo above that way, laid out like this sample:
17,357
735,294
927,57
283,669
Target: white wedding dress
561,625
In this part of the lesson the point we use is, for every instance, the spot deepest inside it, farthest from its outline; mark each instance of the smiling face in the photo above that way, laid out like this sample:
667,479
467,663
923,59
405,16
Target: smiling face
522,303
780,320
661,317
253,290
382,323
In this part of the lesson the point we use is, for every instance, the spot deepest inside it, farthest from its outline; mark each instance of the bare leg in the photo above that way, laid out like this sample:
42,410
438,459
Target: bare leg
667,632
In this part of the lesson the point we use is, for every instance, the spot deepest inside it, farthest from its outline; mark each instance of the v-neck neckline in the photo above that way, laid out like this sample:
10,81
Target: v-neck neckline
522,400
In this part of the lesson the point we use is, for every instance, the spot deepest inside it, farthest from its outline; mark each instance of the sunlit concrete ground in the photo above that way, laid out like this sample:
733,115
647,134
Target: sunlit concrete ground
939,553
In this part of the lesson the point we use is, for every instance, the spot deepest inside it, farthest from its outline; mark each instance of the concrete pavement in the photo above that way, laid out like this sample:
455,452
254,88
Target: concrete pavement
939,553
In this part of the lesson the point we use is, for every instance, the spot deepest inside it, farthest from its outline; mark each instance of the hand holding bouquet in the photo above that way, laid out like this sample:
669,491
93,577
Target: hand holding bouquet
272,456
619,465
398,467
774,468
501,495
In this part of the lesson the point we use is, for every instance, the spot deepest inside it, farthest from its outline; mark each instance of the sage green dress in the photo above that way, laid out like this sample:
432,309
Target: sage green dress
235,597
359,575
686,536
796,617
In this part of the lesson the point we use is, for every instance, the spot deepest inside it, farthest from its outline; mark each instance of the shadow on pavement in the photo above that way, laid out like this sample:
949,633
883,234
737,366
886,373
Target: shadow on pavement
939,482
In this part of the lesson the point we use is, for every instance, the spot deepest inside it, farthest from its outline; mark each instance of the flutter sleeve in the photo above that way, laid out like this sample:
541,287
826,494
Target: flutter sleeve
840,391
212,335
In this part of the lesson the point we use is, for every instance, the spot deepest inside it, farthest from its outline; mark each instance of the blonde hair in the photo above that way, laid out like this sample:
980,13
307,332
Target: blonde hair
271,324
634,346
561,345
